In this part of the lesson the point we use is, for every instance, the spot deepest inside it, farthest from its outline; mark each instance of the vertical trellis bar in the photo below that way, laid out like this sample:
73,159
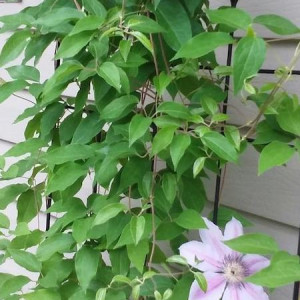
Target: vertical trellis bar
49,197
296,292
297,284
224,111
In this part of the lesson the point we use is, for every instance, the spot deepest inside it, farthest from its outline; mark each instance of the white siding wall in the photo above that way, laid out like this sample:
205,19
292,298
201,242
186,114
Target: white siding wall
270,201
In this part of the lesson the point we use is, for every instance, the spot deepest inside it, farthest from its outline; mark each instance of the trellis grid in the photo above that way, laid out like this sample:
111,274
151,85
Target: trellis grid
296,292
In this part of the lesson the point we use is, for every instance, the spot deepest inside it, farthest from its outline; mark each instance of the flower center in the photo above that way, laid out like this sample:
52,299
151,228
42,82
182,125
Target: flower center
234,269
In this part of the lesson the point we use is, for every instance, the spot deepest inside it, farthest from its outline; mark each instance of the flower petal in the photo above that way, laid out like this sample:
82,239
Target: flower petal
255,263
232,293
245,292
213,236
215,288
233,229
196,251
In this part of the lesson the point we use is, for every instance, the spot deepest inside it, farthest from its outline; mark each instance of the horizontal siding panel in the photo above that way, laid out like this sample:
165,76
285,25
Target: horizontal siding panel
13,8
278,54
289,9
273,195
9,111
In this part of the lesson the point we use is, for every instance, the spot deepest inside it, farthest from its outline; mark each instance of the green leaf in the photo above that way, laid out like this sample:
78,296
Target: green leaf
86,265
190,219
101,294
232,17
21,229
178,148
86,24
87,129
248,59
45,294
253,243
4,221
121,279
37,46
182,288
283,270
178,29
28,146
14,46
2,162
63,73
177,259
136,292
118,108
220,145
161,82
167,231
144,24
156,3
138,126
9,193
71,45
56,16
137,227
169,186
162,139
274,154
203,44
143,40
12,285
26,260
29,204
192,193
110,73
57,243
106,170
26,241
50,117
201,280
124,47
120,261
289,120
22,72
210,105
233,135
15,20
108,212
198,165
137,254
80,229
68,153
277,24
174,109
65,176
95,7
9,88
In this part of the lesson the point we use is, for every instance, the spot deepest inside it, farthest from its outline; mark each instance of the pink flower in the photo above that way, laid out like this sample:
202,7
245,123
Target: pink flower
223,268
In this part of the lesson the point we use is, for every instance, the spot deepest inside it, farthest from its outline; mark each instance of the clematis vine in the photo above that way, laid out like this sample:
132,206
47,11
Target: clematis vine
225,270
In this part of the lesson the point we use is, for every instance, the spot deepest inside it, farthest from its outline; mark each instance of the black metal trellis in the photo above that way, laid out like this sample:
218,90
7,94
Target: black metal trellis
234,3
49,197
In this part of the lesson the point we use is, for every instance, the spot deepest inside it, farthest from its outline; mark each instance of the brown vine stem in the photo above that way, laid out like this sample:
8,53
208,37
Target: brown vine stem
151,199
163,52
270,99
77,5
